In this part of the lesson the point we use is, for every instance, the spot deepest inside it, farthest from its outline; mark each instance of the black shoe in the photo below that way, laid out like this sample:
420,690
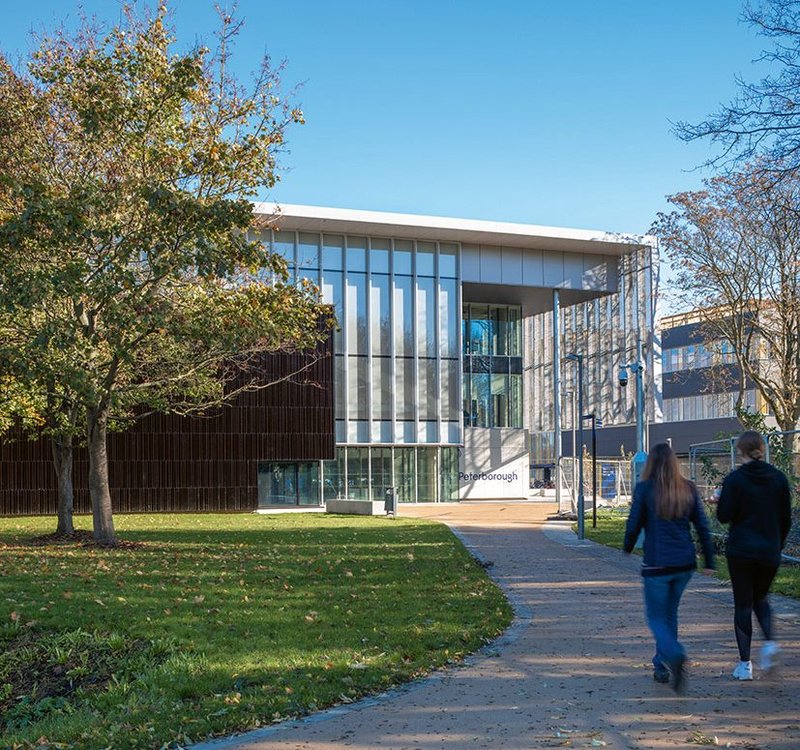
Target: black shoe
678,669
661,675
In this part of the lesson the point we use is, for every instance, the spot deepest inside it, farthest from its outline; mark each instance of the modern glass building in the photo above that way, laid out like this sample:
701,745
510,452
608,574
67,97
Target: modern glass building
448,334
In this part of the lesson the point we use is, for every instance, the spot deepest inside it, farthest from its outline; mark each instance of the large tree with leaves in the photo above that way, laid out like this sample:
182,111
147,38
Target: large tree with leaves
129,279
735,248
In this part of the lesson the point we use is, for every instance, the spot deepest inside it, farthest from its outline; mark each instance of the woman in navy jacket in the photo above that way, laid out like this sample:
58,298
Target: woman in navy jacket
666,505
755,500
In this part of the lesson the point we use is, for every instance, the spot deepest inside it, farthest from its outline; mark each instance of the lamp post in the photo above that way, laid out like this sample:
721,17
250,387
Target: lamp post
595,423
579,359
573,411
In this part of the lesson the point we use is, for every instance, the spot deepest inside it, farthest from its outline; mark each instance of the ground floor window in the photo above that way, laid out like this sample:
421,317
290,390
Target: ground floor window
289,483
426,474
417,475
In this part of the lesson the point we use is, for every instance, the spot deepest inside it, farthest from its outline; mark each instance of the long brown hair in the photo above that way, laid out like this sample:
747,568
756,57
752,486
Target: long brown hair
673,492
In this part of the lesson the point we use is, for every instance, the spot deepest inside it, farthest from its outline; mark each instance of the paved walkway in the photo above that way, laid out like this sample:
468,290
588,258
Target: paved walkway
574,668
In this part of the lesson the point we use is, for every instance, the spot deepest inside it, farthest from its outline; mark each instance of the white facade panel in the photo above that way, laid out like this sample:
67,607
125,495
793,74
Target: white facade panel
553,268
511,265
491,265
573,271
532,268
494,465
470,262
595,273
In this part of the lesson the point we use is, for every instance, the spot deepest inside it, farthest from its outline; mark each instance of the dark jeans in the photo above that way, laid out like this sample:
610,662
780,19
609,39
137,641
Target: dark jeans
751,580
662,595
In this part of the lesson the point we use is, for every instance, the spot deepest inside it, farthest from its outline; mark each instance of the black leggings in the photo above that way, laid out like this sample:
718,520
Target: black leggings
751,580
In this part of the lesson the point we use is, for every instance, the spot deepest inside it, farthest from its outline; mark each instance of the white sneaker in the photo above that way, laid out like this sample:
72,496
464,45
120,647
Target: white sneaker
770,652
743,671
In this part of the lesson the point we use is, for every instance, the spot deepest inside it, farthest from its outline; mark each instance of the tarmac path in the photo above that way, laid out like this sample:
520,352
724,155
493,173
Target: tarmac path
573,670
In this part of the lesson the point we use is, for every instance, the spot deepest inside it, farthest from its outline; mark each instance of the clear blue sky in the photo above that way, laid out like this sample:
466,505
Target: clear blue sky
514,110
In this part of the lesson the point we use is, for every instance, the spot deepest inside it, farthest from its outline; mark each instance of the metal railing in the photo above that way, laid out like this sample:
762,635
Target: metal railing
711,461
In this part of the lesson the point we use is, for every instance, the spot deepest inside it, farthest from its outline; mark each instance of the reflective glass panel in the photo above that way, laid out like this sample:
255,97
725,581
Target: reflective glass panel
332,248
403,250
404,474
449,391
449,474
381,464
356,253
356,313
358,473
332,294
479,329
382,387
448,318
426,253
428,389
339,384
479,399
308,488
334,472
447,260
357,391
380,323
426,318
307,253
379,255
427,483
404,372
499,414
403,316
515,396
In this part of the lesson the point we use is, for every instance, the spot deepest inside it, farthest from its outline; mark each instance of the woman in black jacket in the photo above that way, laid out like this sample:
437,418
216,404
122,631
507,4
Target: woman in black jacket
666,506
756,501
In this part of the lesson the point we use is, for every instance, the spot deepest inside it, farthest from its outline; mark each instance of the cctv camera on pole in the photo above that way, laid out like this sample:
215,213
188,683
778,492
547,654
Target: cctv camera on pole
640,457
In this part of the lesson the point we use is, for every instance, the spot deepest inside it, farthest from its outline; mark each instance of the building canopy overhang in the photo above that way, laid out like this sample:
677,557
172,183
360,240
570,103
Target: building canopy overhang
443,229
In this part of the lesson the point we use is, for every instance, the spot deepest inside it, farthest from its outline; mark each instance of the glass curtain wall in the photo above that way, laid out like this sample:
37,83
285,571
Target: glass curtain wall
397,359
607,332
492,389
417,474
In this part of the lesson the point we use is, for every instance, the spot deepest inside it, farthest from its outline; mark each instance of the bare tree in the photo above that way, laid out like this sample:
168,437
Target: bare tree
736,250
764,119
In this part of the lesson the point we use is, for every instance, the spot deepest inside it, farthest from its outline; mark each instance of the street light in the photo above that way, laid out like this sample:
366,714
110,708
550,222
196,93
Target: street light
573,411
579,359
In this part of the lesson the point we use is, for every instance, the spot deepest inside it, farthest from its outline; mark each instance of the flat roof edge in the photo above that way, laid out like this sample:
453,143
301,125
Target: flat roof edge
476,231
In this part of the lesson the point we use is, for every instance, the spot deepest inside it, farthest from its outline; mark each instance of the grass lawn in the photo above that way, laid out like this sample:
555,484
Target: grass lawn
209,624
611,530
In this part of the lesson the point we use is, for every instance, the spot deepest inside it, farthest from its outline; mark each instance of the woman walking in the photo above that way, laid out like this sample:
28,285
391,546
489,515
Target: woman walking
666,505
756,501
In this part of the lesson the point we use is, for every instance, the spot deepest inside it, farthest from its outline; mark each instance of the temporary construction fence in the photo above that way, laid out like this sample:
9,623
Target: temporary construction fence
610,486
711,461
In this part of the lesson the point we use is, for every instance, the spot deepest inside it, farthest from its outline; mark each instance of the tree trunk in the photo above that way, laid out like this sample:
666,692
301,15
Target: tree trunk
99,491
62,461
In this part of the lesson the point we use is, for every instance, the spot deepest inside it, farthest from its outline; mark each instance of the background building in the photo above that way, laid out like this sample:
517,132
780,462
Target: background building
701,382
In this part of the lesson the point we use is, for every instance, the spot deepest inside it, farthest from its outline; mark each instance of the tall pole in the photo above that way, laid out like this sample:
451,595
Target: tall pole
640,459
581,499
573,410
557,395
639,402
594,472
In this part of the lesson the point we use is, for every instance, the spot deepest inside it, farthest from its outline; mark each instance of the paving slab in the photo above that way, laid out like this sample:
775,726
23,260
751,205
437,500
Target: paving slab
574,669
